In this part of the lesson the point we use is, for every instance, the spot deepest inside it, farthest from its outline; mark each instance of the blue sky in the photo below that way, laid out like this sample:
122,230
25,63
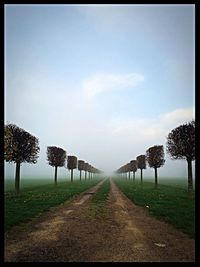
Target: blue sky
103,82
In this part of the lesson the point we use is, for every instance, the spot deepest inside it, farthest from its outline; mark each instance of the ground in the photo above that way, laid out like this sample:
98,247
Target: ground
125,233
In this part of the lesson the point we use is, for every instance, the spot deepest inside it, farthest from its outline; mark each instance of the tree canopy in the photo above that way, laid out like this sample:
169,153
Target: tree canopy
133,165
56,156
155,156
71,162
141,162
181,142
19,145
81,165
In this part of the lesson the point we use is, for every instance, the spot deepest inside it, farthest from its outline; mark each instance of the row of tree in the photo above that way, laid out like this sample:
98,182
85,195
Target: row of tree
180,145
155,158
20,146
57,157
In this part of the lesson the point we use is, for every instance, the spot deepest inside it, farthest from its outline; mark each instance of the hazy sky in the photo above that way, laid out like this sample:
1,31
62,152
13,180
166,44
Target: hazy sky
103,82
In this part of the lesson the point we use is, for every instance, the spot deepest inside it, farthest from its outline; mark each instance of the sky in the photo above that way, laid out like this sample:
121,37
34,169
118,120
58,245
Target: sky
103,82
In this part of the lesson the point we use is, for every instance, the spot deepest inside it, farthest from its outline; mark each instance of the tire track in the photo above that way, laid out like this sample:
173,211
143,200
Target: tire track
149,239
125,234
19,242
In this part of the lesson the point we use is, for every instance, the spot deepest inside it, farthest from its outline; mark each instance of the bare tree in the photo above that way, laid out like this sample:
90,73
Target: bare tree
80,166
141,164
133,167
155,159
71,164
19,146
56,157
181,145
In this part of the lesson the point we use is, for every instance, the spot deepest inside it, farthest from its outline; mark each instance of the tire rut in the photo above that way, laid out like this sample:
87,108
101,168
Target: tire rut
22,240
149,239
127,233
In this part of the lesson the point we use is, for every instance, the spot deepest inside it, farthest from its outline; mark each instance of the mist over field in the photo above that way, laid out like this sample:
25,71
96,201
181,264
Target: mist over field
47,172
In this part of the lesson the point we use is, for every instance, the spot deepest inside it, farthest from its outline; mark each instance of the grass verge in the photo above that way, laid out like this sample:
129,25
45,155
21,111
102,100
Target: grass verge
98,206
171,204
33,201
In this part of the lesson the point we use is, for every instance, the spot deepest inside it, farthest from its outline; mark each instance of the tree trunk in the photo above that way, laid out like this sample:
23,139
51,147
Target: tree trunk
141,175
129,177
190,181
133,176
71,175
17,178
55,178
80,175
85,175
156,177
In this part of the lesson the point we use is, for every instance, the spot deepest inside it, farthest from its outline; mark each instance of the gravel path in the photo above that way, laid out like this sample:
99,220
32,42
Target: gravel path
126,233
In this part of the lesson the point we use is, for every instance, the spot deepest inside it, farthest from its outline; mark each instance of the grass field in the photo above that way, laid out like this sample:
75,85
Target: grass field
169,203
37,199
176,182
9,183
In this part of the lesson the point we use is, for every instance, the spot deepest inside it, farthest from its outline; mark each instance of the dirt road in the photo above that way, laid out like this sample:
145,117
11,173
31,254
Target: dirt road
125,234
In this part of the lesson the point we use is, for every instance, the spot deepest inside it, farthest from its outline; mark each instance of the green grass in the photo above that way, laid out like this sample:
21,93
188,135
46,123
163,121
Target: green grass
98,206
171,204
9,184
177,182
33,201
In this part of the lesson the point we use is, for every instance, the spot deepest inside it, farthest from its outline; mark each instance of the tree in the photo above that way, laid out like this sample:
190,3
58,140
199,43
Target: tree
90,170
95,171
128,170
19,146
155,159
124,170
141,164
181,145
71,164
80,166
86,168
133,167
56,157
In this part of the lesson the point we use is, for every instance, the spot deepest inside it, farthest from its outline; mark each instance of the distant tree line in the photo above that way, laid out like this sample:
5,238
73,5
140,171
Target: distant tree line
180,145
57,157
20,146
